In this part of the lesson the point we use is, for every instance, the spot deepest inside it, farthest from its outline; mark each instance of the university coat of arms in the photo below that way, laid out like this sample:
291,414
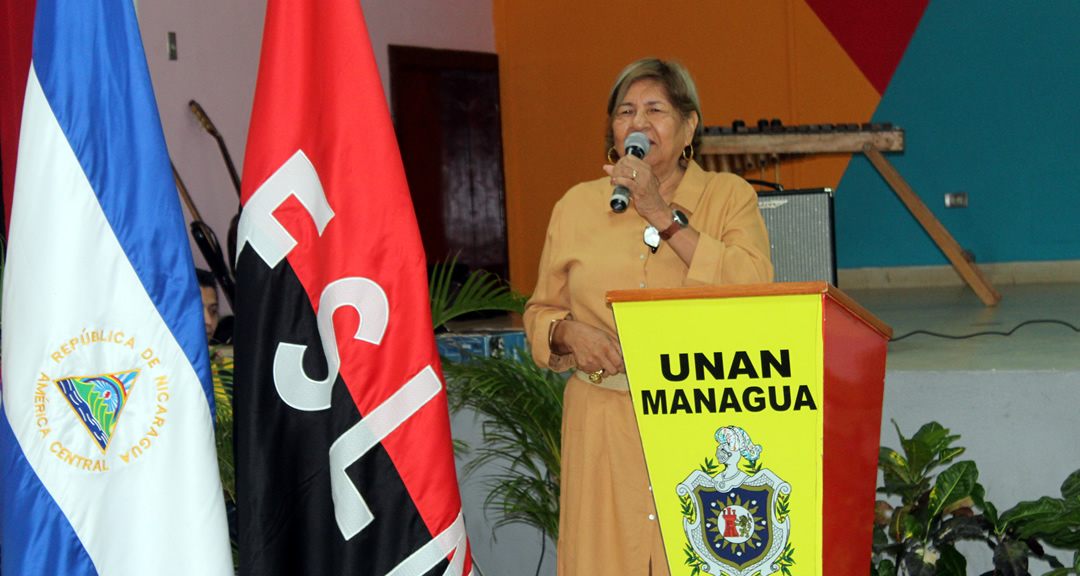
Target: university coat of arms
736,520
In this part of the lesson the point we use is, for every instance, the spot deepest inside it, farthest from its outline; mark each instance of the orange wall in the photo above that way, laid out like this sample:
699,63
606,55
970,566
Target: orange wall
750,59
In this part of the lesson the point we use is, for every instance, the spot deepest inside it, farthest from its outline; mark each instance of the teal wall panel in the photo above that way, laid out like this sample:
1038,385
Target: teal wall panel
989,96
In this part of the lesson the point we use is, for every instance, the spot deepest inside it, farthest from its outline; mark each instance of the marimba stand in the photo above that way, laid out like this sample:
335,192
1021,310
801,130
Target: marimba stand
871,143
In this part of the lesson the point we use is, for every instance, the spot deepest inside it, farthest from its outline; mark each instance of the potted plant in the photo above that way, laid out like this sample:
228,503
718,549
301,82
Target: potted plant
939,508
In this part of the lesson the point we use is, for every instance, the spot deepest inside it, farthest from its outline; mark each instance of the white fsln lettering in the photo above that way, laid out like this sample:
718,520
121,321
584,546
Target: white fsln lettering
258,227
350,509
293,385
436,550
272,242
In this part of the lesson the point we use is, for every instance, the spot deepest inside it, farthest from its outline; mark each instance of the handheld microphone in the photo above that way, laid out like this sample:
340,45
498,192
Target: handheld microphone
636,144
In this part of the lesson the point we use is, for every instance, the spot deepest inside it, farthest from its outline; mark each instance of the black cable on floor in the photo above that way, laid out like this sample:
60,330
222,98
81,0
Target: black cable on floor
987,333
543,546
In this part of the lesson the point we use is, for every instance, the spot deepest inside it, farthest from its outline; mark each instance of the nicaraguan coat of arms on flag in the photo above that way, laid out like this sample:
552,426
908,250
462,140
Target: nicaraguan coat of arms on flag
98,401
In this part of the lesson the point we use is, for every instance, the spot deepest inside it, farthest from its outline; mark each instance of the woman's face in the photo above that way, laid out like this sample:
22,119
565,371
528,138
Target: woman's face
647,109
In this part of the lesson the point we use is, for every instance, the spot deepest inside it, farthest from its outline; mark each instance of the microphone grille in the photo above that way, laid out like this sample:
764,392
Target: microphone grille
639,140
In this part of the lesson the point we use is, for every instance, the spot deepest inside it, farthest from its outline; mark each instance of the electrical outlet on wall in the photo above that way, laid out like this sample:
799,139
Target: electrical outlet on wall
956,200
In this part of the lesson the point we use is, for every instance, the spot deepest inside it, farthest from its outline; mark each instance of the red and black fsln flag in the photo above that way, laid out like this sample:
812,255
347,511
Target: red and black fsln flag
344,461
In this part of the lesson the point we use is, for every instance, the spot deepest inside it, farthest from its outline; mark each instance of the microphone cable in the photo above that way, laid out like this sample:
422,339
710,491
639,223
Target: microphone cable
986,333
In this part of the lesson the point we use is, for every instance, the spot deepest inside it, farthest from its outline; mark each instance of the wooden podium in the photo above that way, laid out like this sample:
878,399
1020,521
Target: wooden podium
759,409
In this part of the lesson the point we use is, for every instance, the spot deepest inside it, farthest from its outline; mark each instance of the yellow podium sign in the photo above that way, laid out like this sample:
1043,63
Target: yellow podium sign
729,395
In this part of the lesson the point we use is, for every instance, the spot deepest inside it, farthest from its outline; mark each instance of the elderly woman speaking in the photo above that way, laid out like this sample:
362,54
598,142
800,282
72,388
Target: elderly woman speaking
684,227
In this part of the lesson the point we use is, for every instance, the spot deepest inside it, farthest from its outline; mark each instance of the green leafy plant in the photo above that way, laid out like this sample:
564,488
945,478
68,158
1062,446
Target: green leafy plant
222,370
917,538
481,291
1023,530
939,508
521,404
221,367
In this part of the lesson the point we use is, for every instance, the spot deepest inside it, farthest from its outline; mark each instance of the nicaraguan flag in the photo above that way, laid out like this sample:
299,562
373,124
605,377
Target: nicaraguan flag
106,433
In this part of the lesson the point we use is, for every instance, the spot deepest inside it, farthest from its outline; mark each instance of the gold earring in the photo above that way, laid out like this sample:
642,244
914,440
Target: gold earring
691,156
609,153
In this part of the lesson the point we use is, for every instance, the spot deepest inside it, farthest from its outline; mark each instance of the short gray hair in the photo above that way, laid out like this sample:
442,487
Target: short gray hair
672,77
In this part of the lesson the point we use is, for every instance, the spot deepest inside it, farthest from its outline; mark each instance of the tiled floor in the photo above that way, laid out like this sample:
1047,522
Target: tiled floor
957,311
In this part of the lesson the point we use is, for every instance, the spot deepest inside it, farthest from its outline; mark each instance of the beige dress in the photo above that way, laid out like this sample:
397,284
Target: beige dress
607,517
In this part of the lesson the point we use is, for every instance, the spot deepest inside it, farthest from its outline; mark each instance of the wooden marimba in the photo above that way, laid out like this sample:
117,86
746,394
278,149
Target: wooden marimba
740,148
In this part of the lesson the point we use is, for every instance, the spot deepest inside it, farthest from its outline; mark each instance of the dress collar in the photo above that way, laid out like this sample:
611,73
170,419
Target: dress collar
692,186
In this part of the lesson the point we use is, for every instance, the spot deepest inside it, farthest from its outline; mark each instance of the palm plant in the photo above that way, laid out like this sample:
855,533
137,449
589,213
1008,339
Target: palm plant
481,291
522,408
521,405
222,369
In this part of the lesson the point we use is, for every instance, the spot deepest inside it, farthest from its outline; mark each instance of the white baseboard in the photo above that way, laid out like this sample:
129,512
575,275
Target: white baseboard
998,274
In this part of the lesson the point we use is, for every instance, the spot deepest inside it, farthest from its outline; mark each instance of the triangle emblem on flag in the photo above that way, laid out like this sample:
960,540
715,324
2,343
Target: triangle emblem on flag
98,401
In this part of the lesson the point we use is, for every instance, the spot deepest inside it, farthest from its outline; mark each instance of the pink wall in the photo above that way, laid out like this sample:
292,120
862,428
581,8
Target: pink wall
218,44
450,24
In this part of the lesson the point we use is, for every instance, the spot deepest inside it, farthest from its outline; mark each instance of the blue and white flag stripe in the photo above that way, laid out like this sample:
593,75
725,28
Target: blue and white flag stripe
99,281
90,63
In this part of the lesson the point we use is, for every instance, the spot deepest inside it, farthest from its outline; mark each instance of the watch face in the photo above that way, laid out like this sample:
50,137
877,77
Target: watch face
680,218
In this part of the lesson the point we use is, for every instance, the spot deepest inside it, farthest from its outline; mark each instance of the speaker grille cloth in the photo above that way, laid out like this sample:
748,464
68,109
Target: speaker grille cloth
800,236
